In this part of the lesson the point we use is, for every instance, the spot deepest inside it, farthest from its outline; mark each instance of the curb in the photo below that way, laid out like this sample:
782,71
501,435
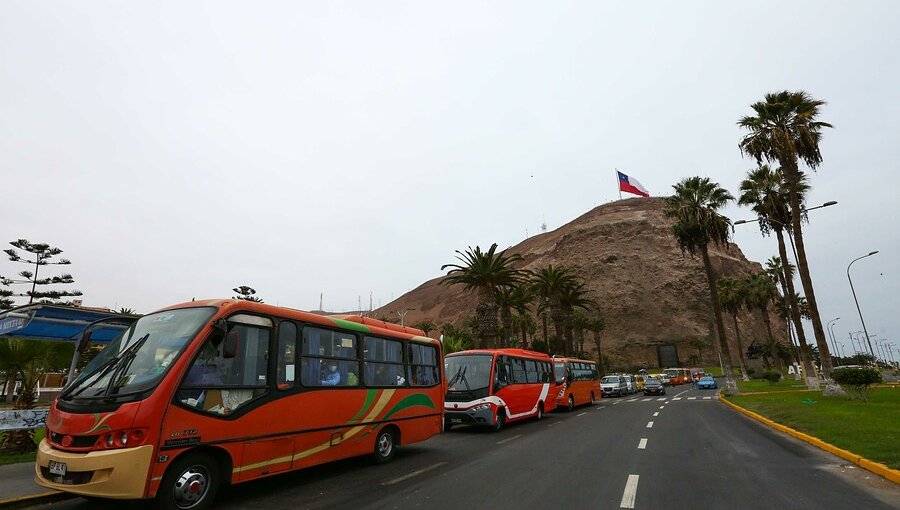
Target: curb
877,468
34,499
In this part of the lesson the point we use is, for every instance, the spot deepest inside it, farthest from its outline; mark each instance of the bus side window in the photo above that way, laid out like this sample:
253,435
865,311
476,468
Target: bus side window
286,371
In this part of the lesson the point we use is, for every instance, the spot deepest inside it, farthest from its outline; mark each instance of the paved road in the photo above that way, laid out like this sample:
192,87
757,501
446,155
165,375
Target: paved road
696,454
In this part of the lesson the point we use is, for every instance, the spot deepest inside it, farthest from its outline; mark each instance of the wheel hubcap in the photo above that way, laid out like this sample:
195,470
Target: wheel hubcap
385,445
191,486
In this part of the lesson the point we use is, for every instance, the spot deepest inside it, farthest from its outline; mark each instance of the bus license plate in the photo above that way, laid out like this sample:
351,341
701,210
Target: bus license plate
455,420
58,468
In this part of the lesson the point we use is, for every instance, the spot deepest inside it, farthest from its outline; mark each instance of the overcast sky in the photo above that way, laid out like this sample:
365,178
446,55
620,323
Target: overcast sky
179,149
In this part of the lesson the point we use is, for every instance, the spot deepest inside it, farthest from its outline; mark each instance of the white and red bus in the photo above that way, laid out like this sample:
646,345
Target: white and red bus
213,392
491,387
577,382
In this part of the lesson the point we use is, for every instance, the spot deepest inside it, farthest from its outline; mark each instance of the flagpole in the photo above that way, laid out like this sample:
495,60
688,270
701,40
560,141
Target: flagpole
618,185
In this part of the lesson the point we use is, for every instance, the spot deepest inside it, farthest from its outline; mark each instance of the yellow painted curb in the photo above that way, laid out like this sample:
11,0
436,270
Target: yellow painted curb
875,467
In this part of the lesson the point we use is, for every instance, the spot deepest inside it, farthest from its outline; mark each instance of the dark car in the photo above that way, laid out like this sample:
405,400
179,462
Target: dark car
653,386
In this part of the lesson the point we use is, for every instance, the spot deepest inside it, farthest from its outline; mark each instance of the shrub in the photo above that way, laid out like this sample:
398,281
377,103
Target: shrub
773,376
857,381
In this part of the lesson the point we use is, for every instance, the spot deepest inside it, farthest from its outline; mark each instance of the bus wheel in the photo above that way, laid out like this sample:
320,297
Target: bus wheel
500,420
592,398
447,425
191,482
540,414
385,445
571,403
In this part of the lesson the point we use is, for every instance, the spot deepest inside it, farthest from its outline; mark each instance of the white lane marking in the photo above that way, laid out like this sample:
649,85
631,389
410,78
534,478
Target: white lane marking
707,398
656,413
632,400
643,444
582,414
661,399
682,393
692,398
414,473
677,398
649,424
662,407
552,424
630,492
617,402
647,400
508,439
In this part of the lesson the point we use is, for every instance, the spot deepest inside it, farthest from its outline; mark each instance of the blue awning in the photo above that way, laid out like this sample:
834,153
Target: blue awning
61,323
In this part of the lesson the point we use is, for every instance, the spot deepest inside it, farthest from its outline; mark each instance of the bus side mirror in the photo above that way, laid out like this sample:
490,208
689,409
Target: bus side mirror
230,349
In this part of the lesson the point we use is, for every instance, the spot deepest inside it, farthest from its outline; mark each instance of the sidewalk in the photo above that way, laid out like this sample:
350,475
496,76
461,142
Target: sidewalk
17,487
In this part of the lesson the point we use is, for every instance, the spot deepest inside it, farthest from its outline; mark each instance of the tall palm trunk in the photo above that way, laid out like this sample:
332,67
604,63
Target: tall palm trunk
740,345
730,385
788,283
771,337
599,356
545,329
803,267
486,317
506,318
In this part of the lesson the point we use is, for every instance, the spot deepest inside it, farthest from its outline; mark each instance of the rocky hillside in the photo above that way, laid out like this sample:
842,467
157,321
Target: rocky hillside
650,293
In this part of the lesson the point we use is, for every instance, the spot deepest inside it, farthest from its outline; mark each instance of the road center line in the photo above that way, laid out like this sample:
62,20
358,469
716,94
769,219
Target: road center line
642,445
682,393
582,414
649,424
656,413
630,492
662,407
414,473
508,439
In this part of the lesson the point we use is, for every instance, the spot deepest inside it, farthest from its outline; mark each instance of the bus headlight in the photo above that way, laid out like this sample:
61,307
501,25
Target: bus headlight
481,407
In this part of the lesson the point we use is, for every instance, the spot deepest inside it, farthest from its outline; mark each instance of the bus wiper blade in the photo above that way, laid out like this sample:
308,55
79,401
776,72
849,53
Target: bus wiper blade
455,377
126,359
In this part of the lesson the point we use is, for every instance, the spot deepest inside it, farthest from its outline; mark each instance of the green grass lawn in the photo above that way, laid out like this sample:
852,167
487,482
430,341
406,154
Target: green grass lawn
716,371
762,385
871,430
25,457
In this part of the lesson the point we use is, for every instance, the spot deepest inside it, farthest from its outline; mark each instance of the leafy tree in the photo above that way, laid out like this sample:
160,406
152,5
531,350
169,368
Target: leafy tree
733,298
427,326
127,311
765,191
857,381
246,293
455,339
694,208
43,255
786,129
761,292
483,273
596,325
509,298
700,344
550,284
574,298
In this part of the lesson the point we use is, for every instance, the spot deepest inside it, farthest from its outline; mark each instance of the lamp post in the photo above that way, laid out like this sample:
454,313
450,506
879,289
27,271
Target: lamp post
402,314
831,333
857,301
786,227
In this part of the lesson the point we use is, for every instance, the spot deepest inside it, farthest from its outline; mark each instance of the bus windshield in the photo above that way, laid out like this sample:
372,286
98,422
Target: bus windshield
468,372
559,371
137,359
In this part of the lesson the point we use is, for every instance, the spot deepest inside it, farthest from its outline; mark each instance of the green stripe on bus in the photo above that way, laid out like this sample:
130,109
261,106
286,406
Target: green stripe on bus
370,397
417,399
355,326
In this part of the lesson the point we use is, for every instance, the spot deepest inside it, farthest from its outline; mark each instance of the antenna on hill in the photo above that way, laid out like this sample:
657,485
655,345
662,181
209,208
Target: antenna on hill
320,302
543,223
370,302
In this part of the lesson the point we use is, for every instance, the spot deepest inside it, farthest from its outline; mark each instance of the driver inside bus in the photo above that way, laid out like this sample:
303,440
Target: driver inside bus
331,377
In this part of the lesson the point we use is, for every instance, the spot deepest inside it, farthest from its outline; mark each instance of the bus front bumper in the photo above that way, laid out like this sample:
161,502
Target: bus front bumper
116,474
478,415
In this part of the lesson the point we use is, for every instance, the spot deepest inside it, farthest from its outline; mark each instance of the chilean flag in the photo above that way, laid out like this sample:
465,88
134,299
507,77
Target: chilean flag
631,185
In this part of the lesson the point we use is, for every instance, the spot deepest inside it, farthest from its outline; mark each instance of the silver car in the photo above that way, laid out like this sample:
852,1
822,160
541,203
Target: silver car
613,386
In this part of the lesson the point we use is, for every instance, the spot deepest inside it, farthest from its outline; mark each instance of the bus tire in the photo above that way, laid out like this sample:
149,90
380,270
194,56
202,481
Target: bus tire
190,483
540,412
447,425
500,419
385,445
592,398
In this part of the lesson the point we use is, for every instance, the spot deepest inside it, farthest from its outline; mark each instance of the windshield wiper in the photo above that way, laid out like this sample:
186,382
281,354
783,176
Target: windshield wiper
127,358
102,370
461,377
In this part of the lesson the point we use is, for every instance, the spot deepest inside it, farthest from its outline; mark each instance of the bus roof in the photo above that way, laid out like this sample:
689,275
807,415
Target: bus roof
572,360
352,322
506,351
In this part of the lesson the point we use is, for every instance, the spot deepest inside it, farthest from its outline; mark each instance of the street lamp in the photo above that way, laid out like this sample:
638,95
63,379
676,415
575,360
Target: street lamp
786,227
872,351
402,314
831,333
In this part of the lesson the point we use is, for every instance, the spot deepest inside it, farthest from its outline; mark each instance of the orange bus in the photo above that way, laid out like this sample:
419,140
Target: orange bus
577,382
213,392
678,376
491,387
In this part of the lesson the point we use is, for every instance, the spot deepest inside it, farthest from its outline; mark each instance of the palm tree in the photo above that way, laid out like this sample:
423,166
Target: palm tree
483,273
761,292
733,298
766,192
785,129
548,284
695,210
509,298
573,297
596,325
426,326
26,360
